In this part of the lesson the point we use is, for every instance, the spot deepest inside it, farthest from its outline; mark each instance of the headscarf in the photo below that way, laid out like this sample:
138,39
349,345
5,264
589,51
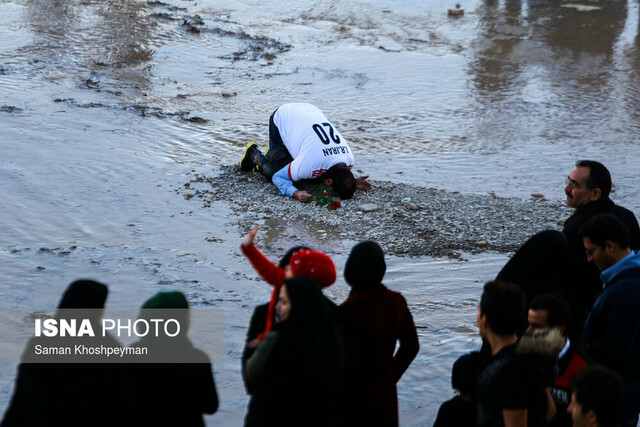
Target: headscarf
310,334
84,294
167,300
304,262
286,258
315,265
365,266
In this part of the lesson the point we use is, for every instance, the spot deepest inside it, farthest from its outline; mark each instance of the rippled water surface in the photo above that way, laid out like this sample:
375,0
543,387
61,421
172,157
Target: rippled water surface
108,107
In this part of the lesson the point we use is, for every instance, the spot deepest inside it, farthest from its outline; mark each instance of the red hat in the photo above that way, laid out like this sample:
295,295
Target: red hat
315,265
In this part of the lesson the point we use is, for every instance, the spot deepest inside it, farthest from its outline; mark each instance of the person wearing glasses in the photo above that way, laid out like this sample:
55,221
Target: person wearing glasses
555,262
587,189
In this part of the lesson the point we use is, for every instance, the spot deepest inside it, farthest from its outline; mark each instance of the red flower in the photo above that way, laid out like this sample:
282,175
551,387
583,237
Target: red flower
335,205
325,194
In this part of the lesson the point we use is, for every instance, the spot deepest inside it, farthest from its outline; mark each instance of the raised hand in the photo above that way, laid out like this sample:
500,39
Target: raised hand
248,241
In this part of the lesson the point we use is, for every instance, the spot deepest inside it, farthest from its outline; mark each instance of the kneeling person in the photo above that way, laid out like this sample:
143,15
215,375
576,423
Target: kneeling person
304,145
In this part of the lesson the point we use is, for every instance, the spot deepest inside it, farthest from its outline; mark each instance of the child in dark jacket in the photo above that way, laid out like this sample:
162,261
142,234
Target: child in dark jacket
460,411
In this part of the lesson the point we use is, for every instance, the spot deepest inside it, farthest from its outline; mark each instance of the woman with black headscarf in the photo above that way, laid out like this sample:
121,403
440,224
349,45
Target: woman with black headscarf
71,394
259,317
296,371
373,320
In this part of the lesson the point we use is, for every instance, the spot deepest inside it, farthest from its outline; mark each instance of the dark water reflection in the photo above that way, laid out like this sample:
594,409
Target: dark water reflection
549,61
102,45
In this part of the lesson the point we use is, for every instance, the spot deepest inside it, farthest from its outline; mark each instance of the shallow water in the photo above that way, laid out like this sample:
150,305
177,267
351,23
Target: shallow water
107,108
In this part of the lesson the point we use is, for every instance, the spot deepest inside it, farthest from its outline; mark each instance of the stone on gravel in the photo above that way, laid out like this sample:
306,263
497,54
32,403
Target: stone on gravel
368,207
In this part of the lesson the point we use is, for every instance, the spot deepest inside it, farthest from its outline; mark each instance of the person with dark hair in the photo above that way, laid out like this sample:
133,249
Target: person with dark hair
597,398
553,261
509,394
588,188
552,311
53,392
612,329
175,384
460,411
374,320
296,371
304,145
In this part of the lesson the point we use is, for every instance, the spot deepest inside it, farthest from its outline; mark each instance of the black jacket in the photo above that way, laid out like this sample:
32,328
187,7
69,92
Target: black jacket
172,394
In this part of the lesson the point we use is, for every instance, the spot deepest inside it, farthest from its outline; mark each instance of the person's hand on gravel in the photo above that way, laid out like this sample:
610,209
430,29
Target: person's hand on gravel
301,196
248,241
363,184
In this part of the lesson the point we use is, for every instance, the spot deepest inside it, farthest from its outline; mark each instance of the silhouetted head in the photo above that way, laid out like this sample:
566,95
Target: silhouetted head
84,294
502,308
597,397
169,305
464,374
365,266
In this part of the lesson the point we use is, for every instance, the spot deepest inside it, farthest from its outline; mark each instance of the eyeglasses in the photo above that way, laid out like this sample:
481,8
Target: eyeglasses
572,184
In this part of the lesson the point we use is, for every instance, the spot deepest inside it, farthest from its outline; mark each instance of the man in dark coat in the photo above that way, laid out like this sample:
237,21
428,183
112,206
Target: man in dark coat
554,262
588,188
374,319
612,330
510,389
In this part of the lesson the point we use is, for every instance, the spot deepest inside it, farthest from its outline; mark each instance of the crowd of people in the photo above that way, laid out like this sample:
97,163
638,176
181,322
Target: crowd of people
560,326
565,304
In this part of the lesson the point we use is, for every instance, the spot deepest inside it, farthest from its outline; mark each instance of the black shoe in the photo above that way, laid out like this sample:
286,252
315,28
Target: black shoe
248,162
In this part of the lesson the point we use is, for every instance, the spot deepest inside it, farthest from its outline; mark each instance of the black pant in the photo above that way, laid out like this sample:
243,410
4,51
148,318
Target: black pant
277,157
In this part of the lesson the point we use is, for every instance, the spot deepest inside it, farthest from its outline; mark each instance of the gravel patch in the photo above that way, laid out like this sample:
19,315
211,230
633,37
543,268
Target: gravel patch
406,220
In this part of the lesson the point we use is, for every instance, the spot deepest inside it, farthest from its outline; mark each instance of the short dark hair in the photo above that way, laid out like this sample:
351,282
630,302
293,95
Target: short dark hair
344,183
504,304
599,176
465,371
557,308
605,227
601,390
